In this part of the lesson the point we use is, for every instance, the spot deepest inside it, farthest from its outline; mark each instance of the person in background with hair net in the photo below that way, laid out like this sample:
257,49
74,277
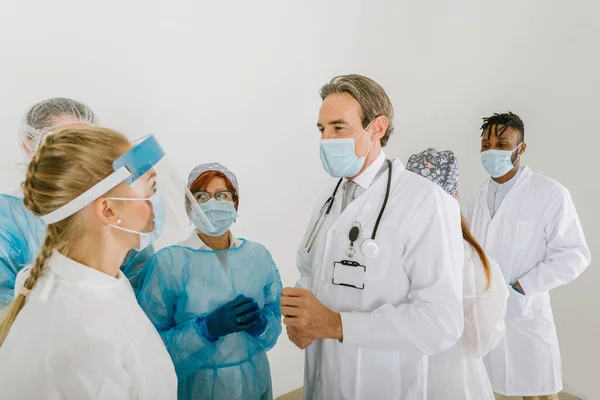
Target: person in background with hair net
458,373
22,233
214,299
50,116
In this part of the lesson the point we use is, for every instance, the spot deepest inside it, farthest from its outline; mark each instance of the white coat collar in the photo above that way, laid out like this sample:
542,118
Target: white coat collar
366,178
522,178
70,270
194,242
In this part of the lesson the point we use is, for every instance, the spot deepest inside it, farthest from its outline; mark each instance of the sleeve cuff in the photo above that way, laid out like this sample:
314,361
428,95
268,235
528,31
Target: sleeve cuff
204,331
355,328
257,335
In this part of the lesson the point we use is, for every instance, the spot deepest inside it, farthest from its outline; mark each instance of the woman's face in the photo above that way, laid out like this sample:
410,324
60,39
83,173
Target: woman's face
217,184
216,189
137,215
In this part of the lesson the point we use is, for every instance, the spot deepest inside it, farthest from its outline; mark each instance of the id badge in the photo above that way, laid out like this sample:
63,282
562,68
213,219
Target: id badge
349,273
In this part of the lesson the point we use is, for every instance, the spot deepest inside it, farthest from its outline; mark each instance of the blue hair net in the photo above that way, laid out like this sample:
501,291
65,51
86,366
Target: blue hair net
181,286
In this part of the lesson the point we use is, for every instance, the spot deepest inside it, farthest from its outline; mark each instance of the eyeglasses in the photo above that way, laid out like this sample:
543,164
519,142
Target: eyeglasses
221,195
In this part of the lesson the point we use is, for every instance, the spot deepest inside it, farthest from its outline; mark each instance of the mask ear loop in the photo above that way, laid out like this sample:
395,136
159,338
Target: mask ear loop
518,154
372,141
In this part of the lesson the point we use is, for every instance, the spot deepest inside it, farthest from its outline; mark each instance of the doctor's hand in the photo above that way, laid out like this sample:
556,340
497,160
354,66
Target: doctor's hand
302,310
300,338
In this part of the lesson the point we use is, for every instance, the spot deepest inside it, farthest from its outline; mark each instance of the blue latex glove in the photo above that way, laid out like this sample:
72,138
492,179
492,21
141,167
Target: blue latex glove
235,316
258,327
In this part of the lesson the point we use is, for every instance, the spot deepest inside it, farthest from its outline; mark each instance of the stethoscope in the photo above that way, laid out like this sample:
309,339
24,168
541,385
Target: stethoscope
370,247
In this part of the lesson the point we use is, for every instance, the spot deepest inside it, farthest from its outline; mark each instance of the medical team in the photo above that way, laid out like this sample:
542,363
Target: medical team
119,280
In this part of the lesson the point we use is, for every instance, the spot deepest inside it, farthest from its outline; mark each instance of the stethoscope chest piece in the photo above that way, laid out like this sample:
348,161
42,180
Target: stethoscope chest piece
370,248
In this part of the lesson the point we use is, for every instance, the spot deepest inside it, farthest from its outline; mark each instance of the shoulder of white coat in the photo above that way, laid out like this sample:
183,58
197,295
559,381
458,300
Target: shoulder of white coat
407,180
480,189
546,184
428,196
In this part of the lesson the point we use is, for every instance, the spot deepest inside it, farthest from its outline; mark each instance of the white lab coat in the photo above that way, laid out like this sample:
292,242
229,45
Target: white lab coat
537,240
458,373
82,335
411,305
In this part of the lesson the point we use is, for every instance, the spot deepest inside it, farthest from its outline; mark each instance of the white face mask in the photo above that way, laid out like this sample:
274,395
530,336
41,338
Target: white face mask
498,162
338,157
147,238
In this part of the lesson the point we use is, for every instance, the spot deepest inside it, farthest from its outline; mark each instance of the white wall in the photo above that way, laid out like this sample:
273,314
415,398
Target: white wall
238,82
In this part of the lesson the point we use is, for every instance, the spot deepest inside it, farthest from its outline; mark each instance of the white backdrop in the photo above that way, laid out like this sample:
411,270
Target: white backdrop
237,82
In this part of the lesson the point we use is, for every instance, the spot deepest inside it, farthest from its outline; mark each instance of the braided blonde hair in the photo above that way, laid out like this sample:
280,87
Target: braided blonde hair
65,166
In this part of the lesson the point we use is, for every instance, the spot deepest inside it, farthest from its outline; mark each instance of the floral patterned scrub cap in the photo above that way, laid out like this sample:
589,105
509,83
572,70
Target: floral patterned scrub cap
440,167
202,168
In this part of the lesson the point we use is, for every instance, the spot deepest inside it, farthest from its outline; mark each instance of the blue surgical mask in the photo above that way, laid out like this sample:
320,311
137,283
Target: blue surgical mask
221,215
338,156
498,163
159,209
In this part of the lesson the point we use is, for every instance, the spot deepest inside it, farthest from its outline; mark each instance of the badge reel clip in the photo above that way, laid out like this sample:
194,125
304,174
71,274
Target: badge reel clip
350,273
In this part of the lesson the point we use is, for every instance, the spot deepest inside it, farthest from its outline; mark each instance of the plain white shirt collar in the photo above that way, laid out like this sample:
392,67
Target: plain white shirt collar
194,242
70,270
365,179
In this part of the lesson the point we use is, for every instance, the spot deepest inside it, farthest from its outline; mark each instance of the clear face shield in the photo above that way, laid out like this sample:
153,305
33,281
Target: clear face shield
155,210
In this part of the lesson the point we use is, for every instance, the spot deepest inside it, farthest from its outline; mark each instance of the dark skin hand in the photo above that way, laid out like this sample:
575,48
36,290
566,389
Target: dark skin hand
518,286
498,138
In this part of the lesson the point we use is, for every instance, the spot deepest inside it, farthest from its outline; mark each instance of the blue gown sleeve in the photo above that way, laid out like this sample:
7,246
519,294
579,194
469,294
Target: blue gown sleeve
272,308
21,235
134,263
157,296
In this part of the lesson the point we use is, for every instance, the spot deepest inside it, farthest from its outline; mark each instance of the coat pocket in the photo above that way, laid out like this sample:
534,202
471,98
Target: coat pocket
371,374
523,233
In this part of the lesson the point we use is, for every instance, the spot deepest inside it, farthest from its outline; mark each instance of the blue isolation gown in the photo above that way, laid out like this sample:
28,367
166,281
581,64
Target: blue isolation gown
184,284
21,238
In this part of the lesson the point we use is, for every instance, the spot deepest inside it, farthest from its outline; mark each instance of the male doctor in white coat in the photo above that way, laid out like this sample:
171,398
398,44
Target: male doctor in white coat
371,306
528,225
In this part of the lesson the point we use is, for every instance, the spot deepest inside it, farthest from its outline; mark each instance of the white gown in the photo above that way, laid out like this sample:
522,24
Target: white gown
81,336
536,239
411,304
459,373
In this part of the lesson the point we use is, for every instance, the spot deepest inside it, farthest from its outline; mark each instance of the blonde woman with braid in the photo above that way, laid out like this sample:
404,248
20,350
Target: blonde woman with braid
21,232
75,330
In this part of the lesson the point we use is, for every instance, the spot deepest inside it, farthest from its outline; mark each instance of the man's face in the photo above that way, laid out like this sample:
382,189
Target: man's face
340,117
498,138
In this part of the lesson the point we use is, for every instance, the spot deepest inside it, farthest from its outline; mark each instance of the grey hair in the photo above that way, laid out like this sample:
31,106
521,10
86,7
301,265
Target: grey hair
373,100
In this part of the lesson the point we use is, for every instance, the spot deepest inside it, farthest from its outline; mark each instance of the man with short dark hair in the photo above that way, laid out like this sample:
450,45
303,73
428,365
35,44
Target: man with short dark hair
381,263
527,223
